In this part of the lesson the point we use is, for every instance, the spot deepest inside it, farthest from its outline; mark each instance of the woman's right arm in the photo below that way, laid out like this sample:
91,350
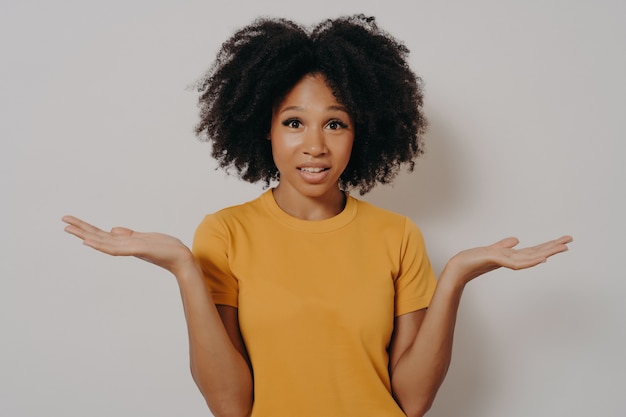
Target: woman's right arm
219,364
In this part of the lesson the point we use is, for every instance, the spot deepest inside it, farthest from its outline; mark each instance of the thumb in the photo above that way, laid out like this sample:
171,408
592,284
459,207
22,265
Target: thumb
508,242
121,231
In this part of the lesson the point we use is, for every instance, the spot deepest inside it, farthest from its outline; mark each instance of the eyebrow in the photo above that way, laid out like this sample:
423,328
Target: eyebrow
300,108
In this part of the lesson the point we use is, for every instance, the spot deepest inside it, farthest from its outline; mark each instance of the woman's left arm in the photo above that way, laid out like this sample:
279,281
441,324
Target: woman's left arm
421,346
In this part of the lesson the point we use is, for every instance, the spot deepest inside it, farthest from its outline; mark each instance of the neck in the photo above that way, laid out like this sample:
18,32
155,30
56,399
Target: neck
310,207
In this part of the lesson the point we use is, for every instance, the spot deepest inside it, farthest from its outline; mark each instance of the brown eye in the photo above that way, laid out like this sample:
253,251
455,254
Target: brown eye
292,123
336,124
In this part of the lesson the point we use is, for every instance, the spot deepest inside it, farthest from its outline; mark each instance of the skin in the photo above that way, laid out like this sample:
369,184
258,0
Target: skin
218,361
310,129
422,342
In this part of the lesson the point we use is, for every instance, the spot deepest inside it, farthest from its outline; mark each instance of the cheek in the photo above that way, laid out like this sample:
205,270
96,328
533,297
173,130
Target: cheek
346,149
283,145
276,152
282,150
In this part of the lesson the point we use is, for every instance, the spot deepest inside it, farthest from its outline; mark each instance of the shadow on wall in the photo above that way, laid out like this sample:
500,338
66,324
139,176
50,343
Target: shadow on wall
437,196
433,193
468,386
431,190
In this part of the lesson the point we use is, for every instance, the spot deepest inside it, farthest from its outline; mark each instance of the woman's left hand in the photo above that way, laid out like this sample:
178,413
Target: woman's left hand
472,263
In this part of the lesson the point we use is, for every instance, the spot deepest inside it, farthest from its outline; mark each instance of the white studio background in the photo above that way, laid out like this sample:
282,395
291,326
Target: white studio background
526,101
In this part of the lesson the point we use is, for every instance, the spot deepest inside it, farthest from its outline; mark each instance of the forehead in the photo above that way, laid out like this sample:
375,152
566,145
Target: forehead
312,90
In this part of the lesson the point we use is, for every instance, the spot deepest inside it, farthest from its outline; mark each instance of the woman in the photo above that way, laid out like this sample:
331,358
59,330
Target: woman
307,301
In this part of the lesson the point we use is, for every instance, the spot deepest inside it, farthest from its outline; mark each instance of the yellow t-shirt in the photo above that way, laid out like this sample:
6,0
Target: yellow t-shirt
316,301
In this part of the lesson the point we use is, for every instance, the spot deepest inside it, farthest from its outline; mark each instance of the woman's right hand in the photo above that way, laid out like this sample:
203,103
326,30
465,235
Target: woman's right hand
162,250
218,362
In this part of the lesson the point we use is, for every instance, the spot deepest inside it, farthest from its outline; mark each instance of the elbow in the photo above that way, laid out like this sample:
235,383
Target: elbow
228,410
224,403
418,410
227,406
417,406
417,402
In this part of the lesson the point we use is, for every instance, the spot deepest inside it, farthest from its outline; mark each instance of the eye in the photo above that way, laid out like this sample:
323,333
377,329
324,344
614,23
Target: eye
336,125
292,123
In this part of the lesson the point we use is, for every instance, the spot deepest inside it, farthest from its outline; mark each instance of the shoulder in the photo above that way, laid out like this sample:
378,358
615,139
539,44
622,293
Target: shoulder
250,210
229,221
384,217
388,223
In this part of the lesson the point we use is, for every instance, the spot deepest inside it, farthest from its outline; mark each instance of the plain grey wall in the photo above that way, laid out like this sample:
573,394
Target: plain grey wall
526,103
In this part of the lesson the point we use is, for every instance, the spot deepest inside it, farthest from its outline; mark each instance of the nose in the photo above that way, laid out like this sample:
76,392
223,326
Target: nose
314,143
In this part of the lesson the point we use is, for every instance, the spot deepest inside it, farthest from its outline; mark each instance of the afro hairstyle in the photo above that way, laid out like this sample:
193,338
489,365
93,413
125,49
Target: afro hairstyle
364,66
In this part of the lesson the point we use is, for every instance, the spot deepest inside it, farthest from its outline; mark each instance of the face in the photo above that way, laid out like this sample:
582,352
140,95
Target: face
312,136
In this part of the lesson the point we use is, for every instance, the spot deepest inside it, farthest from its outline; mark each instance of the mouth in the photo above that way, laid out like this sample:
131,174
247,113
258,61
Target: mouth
313,170
314,174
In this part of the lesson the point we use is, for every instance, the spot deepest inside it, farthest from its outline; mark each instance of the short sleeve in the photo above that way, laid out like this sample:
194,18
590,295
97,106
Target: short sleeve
211,247
415,283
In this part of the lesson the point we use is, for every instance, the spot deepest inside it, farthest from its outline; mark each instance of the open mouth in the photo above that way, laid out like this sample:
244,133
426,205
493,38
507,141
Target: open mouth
313,170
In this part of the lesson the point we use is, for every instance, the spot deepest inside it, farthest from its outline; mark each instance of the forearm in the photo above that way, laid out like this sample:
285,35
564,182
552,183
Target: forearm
220,371
420,371
218,367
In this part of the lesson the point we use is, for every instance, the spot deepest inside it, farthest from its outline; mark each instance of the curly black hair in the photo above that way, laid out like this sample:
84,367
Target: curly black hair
366,69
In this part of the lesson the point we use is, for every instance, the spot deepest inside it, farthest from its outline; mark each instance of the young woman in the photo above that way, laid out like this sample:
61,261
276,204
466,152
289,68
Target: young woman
307,301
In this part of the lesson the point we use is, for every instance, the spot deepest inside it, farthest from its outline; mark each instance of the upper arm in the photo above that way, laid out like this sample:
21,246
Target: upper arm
230,318
405,329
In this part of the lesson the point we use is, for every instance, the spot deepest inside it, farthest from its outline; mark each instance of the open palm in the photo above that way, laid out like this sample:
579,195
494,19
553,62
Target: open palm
160,249
472,263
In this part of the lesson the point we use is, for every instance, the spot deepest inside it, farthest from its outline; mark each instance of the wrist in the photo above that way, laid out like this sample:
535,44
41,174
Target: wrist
452,278
186,268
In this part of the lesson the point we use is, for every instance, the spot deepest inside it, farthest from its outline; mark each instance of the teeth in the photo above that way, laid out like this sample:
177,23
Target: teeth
311,169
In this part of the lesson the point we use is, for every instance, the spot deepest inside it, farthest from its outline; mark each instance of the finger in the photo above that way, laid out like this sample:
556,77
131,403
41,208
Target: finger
520,259
84,233
553,247
565,239
105,246
117,242
114,245
76,222
76,231
527,257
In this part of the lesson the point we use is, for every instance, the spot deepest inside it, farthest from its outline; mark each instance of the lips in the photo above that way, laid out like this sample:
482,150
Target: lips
313,169
314,174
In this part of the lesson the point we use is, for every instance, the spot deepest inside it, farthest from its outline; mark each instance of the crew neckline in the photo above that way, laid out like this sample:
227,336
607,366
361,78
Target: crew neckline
319,226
